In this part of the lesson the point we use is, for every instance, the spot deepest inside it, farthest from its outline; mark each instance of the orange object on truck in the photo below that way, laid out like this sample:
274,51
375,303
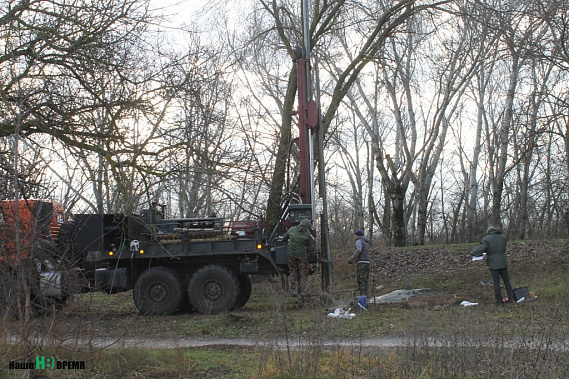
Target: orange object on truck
23,223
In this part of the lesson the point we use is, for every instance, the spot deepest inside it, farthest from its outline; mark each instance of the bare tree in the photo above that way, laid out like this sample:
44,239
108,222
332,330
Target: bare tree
328,20
413,161
556,16
517,28
526,140
203,149
51,51
76,71
352,152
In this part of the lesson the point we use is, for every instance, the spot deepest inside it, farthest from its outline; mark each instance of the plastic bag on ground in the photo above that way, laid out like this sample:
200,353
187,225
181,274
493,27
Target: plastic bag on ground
341,313
467,304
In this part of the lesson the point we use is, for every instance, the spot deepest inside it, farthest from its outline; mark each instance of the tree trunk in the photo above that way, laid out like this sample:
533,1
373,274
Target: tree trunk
281,158
399,227
504,132
422,212
387,216
472,216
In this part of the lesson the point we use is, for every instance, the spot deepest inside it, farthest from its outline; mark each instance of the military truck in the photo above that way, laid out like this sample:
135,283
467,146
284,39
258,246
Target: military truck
173,264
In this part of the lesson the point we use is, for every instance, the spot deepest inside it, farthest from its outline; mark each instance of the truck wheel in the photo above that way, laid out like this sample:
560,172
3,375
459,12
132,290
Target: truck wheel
246,287
158,291
213,289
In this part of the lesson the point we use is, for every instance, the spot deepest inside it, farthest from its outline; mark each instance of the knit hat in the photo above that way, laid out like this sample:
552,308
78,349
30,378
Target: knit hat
359,233
305,223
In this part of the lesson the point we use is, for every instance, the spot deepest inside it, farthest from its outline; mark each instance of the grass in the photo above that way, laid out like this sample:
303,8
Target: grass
516,341
133,363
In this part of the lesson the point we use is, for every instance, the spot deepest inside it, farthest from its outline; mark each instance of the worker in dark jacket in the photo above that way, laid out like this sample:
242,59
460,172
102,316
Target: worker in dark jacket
494,245
361,257
299,240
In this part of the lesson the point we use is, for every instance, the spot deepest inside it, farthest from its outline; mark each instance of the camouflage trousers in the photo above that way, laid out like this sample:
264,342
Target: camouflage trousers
362,278
298,268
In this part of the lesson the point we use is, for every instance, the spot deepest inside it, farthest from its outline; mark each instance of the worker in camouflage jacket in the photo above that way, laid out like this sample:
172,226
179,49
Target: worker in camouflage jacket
361,257
299,241
494,245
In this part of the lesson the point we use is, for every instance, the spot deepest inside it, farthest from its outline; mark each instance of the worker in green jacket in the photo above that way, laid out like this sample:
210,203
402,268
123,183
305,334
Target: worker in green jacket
299,240
494,245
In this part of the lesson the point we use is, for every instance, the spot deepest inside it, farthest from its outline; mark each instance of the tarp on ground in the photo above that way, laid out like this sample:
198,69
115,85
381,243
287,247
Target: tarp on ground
399,296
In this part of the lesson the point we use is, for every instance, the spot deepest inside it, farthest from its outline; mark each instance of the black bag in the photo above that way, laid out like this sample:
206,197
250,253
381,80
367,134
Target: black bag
522,292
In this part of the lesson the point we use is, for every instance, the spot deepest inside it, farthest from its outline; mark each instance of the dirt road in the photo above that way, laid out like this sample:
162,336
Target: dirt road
283,344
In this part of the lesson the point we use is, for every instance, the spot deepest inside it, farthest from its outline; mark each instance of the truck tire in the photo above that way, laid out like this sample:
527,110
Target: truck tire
245,287
158,291
213,289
